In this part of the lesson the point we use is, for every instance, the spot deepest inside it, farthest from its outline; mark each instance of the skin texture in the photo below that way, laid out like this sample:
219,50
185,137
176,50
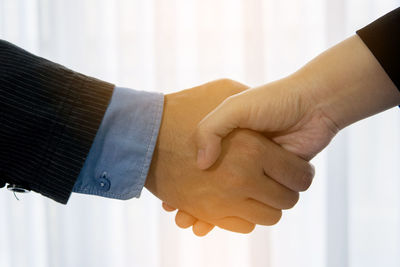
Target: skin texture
305,110
250,183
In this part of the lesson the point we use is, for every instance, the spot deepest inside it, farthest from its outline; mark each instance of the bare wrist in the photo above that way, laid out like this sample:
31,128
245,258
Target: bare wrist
347,83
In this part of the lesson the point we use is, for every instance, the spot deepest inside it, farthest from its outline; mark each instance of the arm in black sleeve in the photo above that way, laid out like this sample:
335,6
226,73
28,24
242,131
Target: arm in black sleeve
383,39
49,116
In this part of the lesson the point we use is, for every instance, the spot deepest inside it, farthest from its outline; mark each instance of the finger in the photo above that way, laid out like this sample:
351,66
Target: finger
184,220
287,168
235,224
201,228
216,125
272,193
258,213
167,207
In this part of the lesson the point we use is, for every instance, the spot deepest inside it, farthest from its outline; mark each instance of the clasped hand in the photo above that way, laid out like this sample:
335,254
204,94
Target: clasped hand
216,173
252,181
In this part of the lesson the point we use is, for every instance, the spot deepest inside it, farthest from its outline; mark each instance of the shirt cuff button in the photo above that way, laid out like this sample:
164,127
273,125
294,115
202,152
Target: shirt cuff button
104,183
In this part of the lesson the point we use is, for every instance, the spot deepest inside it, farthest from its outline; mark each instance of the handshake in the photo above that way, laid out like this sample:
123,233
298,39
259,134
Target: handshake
247,181
234,157
226,155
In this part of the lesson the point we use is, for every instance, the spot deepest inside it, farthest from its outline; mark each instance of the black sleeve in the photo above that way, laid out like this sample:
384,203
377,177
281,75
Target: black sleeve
383,39
49,116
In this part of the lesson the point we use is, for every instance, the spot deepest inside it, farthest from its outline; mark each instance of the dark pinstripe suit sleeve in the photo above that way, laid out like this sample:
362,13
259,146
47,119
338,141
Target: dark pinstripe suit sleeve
49,116
383,39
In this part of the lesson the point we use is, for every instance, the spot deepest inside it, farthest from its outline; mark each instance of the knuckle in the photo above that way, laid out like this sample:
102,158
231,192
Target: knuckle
306,177
291,200
269,218
226,81
230,84
274,218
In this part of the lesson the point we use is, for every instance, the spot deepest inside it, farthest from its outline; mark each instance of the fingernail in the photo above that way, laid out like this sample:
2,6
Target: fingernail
200,157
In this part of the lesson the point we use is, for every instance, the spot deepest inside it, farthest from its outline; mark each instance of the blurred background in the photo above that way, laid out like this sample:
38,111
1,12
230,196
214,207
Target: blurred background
349,217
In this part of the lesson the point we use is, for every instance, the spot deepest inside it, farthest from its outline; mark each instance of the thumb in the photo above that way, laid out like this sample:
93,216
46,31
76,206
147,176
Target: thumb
215,126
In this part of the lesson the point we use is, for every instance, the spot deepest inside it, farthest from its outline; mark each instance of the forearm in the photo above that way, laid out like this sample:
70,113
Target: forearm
347,83
49,117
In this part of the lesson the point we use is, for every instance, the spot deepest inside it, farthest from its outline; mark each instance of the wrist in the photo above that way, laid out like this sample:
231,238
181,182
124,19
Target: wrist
347,84
164,146
319,99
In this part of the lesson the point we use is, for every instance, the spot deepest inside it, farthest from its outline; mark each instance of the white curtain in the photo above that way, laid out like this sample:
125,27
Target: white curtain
349,217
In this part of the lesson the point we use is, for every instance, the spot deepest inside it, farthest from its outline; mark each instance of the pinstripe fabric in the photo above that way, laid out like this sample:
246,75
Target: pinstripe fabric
49,116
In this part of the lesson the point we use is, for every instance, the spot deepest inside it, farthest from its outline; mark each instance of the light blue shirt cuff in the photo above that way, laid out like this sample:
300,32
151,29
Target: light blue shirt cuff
121,153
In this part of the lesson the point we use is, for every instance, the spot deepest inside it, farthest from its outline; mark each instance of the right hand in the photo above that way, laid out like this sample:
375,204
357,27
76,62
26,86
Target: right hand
304,111
279,110
242,189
